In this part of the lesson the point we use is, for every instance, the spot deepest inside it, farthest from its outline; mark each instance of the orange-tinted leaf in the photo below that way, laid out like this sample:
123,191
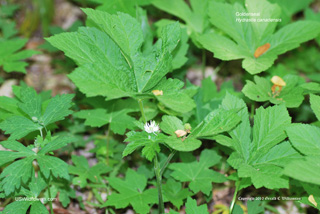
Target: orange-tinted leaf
261,50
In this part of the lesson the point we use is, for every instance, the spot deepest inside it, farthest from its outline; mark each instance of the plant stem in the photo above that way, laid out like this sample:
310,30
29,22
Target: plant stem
41,132
167,162
108,140
142,111
218,68
203,66
50,202
234,199
252,111
157,171
265,105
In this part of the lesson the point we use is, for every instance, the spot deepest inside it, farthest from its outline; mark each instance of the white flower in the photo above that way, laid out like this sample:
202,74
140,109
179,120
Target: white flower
151,127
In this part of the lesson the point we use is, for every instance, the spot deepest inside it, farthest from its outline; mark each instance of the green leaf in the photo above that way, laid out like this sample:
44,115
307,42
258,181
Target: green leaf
268,129
192,208
312,16
31,102
291,95
173,97
170,124
305,138
216,122
111,61
11,178
194,17
18,207
268,176
315,105
84,172
96,53
184,145
116,115
55,144
131,191
307,169
21,206
38,207
241,134
243,38
254,207
9,105
198,173
174,193
52,166
311,190
310,87
19,125
10,58
209,98
261,156
57,109
149,142
127,34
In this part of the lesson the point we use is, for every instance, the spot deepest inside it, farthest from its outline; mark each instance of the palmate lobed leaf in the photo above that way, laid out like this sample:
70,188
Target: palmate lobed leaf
209,98
306,139
85,172
112,63
131,191
174,193
216,122
32,113
114,112
11,179
149,141
21,207
119,120
192,208
10,58
245,37
36,186
261,155
291,95
305,169
198,173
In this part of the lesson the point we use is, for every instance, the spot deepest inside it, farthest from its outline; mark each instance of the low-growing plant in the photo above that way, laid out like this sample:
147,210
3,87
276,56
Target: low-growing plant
138,137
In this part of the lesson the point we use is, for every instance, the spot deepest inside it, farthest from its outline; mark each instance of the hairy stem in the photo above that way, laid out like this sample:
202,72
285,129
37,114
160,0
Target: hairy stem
142,111
234,199
167,162
157,171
